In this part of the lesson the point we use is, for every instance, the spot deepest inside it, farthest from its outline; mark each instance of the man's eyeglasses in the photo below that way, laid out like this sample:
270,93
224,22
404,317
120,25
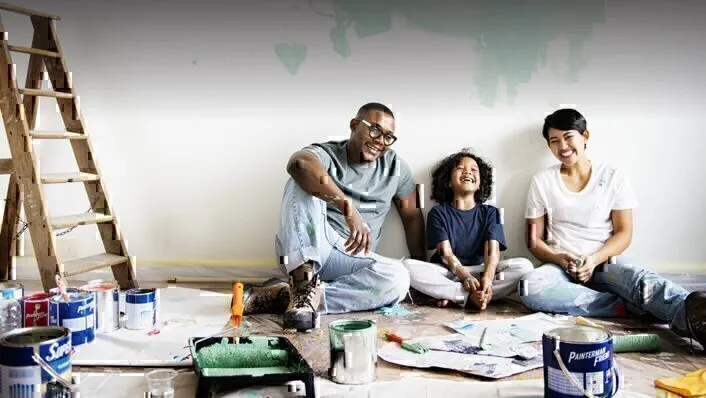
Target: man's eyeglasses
375,131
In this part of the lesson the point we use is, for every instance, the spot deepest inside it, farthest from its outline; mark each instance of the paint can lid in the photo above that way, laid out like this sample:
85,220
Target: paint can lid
99,286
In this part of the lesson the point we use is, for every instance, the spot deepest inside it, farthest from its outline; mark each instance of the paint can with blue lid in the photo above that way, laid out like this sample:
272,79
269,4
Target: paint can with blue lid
141,308
20,374
579,362
76,314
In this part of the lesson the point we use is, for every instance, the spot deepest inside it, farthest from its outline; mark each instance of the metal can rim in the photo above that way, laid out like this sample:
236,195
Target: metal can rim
65,332
366,325
557,333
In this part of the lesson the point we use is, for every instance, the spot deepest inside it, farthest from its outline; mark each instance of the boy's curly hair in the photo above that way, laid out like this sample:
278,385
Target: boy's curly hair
441,177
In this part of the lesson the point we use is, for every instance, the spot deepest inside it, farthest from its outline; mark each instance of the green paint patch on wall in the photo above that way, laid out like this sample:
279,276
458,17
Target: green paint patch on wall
291,56
510,37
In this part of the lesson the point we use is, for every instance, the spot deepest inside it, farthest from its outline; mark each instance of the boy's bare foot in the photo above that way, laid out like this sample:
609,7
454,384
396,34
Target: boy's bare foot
473,303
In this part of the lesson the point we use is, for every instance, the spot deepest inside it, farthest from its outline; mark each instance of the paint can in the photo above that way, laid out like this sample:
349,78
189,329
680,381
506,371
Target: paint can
12,290
20,374
35,309
77,314
353,345
141,308
578,361
107,299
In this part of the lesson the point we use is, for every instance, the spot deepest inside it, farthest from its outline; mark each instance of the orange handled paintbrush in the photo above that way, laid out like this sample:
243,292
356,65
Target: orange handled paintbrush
236,309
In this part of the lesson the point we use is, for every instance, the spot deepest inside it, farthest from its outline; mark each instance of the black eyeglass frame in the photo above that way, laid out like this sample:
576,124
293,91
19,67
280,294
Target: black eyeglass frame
375,131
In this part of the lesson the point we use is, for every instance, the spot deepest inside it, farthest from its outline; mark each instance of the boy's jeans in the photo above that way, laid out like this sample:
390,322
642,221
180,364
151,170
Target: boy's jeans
353,283
614,287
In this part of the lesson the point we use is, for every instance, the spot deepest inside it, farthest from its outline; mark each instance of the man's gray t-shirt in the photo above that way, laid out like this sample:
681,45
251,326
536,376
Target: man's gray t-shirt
371,186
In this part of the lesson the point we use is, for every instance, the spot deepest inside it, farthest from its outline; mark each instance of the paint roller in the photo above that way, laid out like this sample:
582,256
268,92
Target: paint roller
642,342
225,355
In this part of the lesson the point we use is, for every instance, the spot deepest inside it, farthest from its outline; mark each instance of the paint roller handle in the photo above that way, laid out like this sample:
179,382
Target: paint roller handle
236,309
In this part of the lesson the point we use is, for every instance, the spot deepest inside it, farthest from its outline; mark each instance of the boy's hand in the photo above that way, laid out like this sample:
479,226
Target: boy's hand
470,283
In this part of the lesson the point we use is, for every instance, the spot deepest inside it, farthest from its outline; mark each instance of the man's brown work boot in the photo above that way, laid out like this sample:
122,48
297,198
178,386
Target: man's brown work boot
305,296
272,297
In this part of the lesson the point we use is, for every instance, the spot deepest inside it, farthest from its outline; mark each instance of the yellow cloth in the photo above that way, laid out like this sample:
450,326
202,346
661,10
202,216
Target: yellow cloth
691,385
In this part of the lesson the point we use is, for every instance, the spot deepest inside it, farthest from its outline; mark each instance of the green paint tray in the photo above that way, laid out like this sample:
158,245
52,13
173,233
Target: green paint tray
224,364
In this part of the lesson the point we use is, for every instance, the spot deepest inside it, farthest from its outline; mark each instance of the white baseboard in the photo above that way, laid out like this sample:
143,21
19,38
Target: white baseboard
252,269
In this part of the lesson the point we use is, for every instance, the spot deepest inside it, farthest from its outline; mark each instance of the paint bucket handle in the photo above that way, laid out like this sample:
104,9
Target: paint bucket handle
51,371
573,381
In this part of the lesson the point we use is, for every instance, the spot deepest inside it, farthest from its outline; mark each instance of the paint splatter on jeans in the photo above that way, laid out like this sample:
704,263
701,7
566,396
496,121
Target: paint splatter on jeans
613,287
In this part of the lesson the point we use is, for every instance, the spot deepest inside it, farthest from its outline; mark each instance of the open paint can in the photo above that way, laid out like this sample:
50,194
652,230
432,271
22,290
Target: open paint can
578,361
33,359
353,345
107,298
77,314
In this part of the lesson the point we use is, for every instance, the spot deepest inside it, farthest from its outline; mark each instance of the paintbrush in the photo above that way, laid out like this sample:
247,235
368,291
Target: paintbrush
62,287
408,345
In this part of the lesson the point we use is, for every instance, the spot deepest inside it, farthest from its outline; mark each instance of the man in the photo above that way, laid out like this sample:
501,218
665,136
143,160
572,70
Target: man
333,209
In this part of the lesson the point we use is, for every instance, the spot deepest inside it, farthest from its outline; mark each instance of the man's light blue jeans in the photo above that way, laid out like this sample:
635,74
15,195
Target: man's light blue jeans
614,287
352,283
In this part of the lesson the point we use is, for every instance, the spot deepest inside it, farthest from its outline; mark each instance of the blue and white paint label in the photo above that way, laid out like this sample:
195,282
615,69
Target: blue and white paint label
141,308
21,377
589,364
78,315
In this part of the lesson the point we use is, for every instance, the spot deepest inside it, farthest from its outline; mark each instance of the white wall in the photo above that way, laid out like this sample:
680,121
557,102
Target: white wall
193,116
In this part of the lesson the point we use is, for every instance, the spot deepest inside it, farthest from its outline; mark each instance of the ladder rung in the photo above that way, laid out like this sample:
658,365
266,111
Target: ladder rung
38,51
45,93
79,219
27,11
57,135
86,264
58,178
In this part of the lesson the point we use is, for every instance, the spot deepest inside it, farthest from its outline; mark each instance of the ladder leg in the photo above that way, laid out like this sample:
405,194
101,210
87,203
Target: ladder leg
10,221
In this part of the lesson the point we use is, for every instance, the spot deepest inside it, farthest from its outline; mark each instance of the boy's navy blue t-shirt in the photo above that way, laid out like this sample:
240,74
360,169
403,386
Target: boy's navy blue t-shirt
466,230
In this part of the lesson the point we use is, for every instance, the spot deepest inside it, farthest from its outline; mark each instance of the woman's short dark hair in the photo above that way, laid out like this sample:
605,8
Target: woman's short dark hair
564,120
441,192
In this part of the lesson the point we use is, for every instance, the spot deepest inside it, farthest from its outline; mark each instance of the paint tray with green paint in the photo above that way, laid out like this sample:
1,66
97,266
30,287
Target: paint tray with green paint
225,364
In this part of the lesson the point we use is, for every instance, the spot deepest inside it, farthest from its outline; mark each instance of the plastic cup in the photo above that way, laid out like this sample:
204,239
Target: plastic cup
160,383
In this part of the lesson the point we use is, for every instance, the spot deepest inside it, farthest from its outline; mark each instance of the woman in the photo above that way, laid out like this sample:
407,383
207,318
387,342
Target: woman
588,208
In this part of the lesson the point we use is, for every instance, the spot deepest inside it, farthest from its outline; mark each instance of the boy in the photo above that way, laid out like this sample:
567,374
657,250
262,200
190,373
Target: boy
468,237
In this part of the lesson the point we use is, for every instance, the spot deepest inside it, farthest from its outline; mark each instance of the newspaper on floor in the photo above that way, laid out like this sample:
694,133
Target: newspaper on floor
480,365
507,337
462,344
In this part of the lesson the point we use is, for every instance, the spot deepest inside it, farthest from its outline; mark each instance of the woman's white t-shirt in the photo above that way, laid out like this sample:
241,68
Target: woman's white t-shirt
579,222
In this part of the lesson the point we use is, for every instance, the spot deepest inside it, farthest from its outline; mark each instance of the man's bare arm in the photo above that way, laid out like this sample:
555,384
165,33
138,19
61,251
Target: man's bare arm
308,172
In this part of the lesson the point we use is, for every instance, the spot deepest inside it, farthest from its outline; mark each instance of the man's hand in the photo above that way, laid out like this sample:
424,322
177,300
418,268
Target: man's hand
586,266
359,238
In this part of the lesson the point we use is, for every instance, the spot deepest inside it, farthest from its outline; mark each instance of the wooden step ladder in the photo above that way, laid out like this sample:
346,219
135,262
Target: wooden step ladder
19,112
